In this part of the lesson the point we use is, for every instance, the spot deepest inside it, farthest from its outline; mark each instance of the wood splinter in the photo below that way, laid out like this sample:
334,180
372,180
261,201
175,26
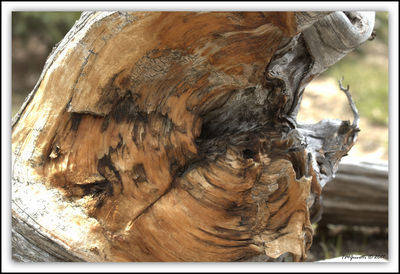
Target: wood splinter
353,107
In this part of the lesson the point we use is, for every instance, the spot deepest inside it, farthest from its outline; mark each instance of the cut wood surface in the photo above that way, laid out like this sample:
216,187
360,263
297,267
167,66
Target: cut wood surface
172,136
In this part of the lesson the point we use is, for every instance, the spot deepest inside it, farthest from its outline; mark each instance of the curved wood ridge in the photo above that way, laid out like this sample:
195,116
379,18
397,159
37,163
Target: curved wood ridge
171,136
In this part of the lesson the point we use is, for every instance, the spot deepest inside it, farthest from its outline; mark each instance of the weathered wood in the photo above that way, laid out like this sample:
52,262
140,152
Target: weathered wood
358,195
172,136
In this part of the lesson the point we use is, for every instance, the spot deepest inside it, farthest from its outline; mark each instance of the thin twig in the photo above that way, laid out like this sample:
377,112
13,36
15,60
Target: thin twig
351,102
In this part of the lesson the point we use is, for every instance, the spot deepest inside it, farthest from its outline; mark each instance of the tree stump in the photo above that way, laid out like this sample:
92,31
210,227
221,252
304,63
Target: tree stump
172,136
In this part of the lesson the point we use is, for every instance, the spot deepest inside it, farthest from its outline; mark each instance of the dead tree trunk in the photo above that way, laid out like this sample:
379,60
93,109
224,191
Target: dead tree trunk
172,136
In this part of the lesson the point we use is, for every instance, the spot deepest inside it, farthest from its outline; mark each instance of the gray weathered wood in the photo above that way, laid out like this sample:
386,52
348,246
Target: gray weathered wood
358,195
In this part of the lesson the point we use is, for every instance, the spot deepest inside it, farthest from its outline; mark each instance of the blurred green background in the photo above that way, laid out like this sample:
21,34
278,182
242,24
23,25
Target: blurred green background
34,34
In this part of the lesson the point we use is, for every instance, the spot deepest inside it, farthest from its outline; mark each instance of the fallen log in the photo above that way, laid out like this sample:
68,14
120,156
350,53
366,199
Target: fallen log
172,136
358,195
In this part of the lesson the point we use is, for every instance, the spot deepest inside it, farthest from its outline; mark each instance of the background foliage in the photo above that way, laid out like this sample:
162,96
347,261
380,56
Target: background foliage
34,34
49,26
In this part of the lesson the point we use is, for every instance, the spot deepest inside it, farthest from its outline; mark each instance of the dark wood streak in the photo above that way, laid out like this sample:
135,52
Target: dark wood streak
211,243
75,121
280,207
105,163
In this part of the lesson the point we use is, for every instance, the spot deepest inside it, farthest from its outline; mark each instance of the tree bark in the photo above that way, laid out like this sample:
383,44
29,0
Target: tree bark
172,136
